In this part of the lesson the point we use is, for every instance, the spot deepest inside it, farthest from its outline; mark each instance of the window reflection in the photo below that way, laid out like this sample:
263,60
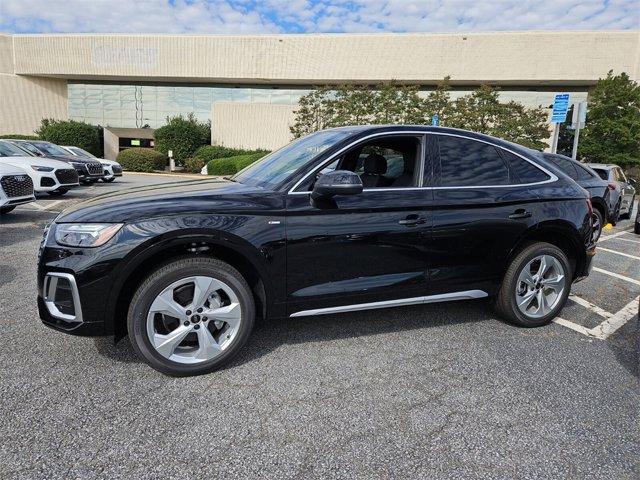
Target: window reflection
120,105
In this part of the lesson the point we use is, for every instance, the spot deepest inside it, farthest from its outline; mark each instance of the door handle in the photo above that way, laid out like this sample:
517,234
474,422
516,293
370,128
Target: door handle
411,221
520,213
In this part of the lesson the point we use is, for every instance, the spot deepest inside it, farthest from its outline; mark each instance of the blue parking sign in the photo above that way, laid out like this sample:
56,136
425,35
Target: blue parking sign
560,108
435,120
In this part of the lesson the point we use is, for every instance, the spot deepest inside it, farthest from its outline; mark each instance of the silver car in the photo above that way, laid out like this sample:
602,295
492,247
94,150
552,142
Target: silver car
623,191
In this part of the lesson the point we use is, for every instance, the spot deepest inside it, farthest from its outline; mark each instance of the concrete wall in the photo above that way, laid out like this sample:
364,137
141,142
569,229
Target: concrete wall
24,101
509,58
251,125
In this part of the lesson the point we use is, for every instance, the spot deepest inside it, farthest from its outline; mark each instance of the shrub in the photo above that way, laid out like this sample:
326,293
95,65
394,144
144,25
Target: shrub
141,160
182,135
17,136
70,132
211,152
232,165
193,164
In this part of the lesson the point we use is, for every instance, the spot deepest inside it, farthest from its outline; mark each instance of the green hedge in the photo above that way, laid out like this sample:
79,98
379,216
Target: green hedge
141,160
17,136
211,152
70,132
193,164
232,165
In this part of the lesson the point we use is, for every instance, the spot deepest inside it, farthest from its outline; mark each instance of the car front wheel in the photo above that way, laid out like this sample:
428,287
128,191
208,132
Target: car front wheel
191,316
536,286
598,221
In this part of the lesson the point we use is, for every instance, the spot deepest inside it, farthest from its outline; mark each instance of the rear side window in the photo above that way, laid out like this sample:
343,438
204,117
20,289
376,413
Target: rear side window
603,174
523,171
467,163
583,173
563,164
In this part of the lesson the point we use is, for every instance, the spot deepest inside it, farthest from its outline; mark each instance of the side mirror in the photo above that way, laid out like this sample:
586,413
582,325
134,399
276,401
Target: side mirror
338,182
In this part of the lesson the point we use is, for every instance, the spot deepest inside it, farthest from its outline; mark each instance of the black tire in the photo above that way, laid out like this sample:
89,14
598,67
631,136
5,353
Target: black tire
636,228
4,210
599,217
108,180
160,279
59,192
506,300
616,215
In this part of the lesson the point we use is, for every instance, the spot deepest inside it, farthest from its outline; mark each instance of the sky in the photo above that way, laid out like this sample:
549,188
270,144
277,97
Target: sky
313,16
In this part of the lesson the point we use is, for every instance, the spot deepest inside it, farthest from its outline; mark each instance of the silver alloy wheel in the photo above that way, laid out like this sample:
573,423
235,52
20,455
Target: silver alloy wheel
199,328
540,286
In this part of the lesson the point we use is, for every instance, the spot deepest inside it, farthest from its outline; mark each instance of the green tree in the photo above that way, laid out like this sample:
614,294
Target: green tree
182,136
313,112
438,102
612,131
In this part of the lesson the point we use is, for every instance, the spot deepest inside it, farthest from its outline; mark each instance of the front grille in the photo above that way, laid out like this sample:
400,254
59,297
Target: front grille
68,175
17,185
95,169
116,169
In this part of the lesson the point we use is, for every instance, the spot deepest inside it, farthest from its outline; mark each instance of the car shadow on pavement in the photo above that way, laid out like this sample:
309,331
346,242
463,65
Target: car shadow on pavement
625,345
271,334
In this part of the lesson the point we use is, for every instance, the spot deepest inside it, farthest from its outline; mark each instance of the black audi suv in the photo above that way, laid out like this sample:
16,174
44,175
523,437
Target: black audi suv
346,219
88,170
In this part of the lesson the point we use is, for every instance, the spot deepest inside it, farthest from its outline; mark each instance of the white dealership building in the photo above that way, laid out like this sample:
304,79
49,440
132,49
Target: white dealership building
249,86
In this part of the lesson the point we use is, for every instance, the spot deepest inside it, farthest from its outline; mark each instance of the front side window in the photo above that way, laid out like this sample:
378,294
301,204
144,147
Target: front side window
469,163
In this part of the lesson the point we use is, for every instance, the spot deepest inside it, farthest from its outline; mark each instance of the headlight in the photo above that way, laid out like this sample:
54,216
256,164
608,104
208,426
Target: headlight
86,234
40,168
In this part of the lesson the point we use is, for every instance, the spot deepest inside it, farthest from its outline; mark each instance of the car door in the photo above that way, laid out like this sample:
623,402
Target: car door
481,209
366,248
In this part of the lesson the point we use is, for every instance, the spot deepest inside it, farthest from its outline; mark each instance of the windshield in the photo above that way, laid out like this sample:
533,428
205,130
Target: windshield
8,150
81,153
52,149
276,167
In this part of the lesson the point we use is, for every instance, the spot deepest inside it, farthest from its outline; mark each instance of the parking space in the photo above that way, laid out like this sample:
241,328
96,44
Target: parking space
442,390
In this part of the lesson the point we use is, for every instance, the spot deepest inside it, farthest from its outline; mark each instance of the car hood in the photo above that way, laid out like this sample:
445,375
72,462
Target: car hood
196,197
8,169
26,162
73,158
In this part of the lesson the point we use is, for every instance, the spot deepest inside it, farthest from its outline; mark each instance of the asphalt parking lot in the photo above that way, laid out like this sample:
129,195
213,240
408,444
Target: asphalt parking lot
435,391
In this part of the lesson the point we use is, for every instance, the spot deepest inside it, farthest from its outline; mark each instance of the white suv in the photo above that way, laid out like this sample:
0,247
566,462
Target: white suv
51,176
112,169
16,188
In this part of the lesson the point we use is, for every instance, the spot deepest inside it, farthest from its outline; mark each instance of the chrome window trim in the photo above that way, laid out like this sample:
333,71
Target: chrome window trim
443,297
49,291
552,176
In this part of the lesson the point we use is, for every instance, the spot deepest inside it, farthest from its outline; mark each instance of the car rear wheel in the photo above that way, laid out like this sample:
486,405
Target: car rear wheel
536,286
4,210
191,316
598,222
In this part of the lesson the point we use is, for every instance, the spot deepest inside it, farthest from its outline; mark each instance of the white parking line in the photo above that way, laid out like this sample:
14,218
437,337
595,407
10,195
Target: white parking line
614,235
618,253
617,275
587,304
609,326
628,240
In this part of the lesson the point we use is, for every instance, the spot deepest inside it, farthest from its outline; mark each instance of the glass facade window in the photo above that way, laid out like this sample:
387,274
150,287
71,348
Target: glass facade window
133,106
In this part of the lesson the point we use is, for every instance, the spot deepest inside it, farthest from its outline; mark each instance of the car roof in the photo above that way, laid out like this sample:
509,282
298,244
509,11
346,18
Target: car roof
360,130
603,166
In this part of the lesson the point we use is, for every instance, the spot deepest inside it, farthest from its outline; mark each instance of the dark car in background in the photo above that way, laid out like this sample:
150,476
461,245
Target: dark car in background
89,170
623,191
603,207
445,215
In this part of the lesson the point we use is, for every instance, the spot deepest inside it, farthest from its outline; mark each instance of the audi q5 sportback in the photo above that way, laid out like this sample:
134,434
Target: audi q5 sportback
347,219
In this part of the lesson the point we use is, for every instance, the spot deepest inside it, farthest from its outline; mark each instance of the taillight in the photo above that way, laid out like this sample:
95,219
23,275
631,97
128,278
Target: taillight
612,186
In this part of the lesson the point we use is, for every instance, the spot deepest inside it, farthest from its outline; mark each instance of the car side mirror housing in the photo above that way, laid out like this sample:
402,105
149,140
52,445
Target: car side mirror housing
338,182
